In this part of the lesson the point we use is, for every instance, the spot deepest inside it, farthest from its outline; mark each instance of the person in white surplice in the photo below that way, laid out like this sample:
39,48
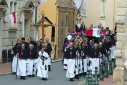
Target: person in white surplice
71,54
32,61
42,69
16,49
22,62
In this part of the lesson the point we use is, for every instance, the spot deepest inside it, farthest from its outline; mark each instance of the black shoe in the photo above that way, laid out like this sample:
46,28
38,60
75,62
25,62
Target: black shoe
84,74
21,77
14,73
29,76
71,79
45,79
80,75
49,67
33,75
42,78
76,77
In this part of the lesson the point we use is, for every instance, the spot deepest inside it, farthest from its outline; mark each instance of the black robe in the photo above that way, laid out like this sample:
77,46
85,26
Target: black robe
70,53
24,54
39,48
34,44
17,48
102,50
95,53
49,49
33,54
86,51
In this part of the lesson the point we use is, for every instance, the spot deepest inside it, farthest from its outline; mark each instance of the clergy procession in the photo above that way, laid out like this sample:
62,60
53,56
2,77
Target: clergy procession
31,58
84,54
89,52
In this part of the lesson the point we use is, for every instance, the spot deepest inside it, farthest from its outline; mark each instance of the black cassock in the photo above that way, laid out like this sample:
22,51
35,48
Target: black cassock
49,49
24,54
70,53
17,48
34,44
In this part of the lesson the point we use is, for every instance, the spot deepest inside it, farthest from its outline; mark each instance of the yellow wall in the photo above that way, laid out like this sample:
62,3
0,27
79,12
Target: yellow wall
94,12
110,14
50,11
56,15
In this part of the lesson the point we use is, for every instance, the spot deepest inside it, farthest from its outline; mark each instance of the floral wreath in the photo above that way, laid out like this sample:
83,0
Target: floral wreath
78,40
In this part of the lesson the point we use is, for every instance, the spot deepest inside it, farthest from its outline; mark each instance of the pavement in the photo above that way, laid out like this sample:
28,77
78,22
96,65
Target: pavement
56,77
5,68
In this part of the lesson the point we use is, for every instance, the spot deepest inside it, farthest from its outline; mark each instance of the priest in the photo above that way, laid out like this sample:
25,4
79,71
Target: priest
71,54
43,64
22,63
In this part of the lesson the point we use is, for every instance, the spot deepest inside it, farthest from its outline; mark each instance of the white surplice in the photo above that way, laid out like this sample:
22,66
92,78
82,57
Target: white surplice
42,69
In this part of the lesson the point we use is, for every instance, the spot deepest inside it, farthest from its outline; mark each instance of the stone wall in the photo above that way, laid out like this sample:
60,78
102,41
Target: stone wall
120,72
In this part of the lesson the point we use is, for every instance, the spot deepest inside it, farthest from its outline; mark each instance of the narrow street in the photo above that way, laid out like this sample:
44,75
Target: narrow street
56,77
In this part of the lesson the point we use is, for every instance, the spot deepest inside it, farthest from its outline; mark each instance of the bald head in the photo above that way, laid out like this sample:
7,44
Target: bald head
71,44
31,46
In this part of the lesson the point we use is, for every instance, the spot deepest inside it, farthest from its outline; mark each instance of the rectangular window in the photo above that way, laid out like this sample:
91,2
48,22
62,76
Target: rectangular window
103,8
83,8
53,34
11,7
15,6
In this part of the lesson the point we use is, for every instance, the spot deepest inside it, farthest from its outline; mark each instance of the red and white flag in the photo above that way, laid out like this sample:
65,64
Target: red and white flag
36,3
12,18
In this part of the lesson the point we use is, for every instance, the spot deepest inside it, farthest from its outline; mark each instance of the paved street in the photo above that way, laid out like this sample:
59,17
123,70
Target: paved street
56,77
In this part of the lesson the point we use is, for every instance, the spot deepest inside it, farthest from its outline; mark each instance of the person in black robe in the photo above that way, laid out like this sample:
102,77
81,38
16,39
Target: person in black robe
22,64
48,50
39,46
71,55
32,61
95,58
86,50
83,27
16,49
78,28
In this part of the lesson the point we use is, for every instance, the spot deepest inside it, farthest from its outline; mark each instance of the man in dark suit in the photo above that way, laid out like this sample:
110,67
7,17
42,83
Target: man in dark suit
83,27
48,50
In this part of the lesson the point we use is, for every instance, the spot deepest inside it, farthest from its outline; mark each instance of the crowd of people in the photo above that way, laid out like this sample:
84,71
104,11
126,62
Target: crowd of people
83,53
32,58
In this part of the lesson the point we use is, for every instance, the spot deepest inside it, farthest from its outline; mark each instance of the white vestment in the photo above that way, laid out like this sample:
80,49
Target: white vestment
112,54
70,68
14,63
42,69
94,63
32,66
22,65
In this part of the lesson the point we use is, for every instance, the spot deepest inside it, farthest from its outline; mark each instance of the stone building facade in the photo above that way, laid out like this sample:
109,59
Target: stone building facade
25,13
120,72
100,11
